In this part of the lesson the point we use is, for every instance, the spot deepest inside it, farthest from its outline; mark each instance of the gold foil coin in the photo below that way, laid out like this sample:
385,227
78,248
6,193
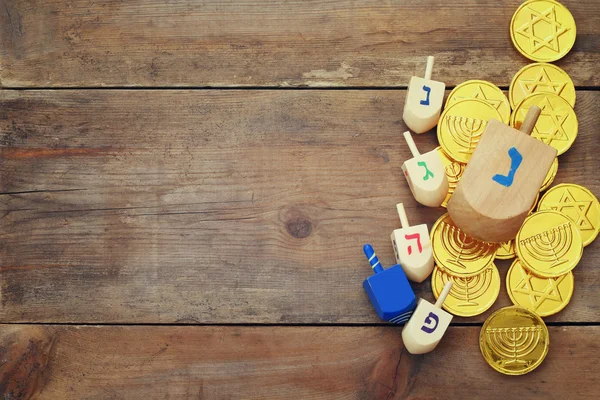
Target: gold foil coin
544,296
468,296
456,253
454,171
549,244
514,340
550,176
557,125
578,204
482,90
506,250
461,125
543,30
541,78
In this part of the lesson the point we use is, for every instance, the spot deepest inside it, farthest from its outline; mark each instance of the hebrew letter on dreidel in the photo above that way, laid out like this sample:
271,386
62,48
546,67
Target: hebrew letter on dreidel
489,203
412,247
431,319
426,175
427,325
423,102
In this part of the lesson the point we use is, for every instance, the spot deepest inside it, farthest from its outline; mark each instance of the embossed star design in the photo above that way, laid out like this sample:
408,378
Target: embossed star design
557,119
567,202
542,80
478,94
547,17
538,297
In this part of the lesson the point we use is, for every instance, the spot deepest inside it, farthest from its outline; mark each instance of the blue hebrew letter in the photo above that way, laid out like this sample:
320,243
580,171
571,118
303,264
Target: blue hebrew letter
426,101
431,318
515,161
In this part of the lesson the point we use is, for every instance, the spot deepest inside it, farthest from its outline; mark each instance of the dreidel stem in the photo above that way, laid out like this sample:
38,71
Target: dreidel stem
530,119
411,144
443,295
402,215
429,68
372,257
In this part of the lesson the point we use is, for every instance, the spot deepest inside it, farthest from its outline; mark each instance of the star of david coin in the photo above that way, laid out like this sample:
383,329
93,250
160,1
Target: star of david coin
468,296
544,296
541,78
482,90
456,253
506,250
557,125
461,125
550,176
514,340
454,171
543,30
549,244
578,204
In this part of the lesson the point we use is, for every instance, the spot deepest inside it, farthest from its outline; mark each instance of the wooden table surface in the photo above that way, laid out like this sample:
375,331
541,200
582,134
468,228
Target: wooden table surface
185,187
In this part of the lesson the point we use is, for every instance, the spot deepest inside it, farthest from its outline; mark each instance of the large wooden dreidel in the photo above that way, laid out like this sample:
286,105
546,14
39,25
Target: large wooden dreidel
423,103
412,247
501,181
427,325
425,175
389,290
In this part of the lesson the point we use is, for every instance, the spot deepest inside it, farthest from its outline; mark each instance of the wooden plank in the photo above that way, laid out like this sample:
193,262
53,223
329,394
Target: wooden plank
217,206
141,362
49,43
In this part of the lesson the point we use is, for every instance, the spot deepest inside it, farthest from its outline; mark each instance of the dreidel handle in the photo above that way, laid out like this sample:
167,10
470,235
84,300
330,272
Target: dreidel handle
372,257
429,68
530,119
443,295
402,215
411,144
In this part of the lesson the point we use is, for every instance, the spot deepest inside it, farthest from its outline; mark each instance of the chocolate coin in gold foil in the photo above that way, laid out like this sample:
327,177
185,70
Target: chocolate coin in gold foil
482,90
454,171
541,78
506,250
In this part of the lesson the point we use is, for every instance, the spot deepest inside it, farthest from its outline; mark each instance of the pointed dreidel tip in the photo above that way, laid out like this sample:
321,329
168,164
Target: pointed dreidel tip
372,257
530,119
443,295
429,68
402,215
411,144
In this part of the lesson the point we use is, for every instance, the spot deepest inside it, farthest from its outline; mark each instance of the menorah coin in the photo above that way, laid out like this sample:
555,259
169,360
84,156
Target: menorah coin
543,30
461,125
456,253
506,250
541,78
557,125
468,296
549,244
454,171
544,296
514,340
482,90
577,203
550,175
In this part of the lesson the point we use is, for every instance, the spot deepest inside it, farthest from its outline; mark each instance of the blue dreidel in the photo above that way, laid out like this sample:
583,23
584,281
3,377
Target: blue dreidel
389,290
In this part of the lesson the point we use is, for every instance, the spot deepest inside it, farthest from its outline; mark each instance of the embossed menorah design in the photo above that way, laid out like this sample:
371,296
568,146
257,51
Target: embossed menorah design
550,245
469,289
514,343
460,246
453,171
465,131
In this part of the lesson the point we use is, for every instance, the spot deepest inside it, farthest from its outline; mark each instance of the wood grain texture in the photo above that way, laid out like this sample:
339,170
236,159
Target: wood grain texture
49,362
52,43
161,206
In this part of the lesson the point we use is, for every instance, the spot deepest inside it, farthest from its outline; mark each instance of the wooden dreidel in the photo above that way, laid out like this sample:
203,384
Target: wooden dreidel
423,103
412,247
426,175
501,181
389,290
427,325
